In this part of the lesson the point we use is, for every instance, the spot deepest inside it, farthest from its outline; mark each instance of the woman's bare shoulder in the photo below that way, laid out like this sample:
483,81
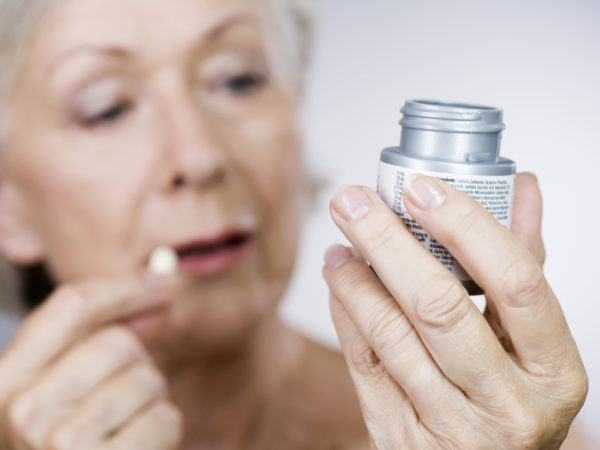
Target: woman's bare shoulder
321,396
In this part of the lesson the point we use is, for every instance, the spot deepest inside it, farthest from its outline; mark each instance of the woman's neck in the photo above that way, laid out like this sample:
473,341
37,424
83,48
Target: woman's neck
227,398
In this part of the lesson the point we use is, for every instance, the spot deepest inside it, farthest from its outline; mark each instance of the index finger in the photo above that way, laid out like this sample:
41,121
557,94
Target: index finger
451,327
75,310
512,278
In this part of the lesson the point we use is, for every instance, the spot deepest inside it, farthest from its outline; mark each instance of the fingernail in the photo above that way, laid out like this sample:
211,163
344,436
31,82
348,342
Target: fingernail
336,255
423,192
351,203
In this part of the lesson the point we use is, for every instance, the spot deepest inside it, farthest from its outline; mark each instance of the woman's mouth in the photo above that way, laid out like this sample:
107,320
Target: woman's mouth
206,257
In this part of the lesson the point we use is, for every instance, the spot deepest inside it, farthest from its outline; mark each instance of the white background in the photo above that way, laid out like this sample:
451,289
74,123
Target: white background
539,60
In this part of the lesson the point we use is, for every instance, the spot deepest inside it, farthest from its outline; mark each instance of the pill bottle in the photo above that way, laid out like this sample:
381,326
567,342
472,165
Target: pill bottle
460,144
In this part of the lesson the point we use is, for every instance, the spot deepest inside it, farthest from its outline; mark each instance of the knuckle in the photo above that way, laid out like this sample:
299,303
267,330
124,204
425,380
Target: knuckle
467,221
150,378
350,278
530,425
389,329
69,294
122,340
379,234
61,438
519,423
363,358
527,430
543,255
170,414
19,412
441,302
172,420
582,390
575,396
523,283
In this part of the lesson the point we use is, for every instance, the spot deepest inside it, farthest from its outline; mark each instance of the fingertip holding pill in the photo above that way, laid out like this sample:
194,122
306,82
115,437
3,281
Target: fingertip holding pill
163,261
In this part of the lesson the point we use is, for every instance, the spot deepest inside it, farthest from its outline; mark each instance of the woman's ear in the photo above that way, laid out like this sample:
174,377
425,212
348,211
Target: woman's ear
20,243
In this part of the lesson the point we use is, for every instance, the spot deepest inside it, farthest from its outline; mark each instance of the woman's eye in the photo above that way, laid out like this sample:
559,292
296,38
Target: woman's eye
244,84
108,115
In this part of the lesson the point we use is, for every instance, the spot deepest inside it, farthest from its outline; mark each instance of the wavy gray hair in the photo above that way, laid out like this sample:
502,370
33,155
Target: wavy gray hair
292,24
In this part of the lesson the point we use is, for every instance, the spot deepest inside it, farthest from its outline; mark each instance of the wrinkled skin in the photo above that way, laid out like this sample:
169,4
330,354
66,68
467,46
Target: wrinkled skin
135,124
431,371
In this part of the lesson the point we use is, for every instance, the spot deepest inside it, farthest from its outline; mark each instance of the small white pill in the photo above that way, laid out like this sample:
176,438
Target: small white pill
163,261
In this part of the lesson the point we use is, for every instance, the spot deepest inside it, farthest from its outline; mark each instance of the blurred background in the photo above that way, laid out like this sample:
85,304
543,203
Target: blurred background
539,60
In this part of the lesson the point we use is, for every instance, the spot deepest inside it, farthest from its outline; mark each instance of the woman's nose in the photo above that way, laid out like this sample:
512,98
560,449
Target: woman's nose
196,157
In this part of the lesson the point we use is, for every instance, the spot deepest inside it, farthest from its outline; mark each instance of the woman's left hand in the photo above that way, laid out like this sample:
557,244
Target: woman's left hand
430,370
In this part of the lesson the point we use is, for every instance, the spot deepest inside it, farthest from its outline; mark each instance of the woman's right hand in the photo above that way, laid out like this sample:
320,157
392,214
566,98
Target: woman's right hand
74,378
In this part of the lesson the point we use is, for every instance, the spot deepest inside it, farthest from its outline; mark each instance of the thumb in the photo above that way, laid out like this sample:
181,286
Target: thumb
527,215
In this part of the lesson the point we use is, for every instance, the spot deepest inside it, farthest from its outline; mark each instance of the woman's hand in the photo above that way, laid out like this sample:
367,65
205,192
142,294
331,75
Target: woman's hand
73,379
431,370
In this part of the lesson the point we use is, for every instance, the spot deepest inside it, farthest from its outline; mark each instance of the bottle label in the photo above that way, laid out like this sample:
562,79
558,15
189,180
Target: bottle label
494,193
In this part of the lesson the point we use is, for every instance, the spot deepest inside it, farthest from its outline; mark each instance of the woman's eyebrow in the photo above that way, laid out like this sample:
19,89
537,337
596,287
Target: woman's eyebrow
103,50
212,33
221,27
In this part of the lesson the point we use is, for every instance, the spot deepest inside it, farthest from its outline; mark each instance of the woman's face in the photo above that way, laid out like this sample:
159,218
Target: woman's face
142,123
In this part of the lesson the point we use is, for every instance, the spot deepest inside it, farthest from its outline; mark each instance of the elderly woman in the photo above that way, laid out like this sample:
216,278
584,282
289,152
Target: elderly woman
128,125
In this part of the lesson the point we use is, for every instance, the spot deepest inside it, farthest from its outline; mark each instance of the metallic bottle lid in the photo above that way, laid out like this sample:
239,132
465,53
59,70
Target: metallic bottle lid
456,132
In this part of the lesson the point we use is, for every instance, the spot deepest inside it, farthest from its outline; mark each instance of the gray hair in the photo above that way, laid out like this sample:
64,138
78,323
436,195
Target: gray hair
293,25
17,19
292,20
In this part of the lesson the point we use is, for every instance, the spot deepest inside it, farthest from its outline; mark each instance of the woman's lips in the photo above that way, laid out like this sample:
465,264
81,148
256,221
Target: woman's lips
206,257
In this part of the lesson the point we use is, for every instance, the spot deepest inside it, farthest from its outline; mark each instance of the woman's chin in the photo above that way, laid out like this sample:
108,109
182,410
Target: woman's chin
206,326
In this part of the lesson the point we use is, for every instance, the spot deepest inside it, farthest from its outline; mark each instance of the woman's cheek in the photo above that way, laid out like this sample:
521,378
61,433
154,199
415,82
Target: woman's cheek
268,151
85,190
268,155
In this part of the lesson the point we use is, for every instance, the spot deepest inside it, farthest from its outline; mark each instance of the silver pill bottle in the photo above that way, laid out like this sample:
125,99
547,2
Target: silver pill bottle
460,144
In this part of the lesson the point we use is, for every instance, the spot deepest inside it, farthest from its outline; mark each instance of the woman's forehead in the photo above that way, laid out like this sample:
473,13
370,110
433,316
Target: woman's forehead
137,24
